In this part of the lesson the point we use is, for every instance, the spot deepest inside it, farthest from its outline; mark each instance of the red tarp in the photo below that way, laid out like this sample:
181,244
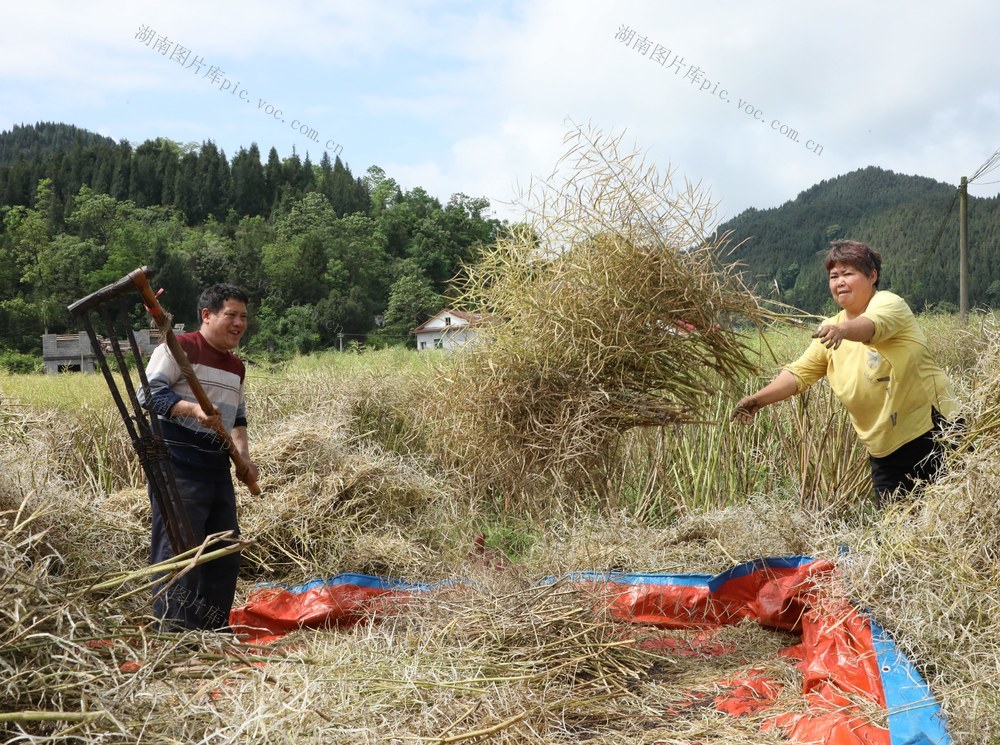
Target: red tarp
794,594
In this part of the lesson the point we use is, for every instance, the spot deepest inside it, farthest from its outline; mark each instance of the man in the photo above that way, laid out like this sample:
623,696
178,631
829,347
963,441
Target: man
202,598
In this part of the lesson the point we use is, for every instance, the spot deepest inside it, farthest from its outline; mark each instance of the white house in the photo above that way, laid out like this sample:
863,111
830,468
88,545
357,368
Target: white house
447,329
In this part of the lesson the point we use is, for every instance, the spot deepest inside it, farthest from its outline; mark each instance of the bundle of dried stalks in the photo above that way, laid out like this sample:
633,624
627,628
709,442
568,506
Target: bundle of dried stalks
984,386
506,662
73,520
700,543
611,310
44,665
929,572
332,504
71,663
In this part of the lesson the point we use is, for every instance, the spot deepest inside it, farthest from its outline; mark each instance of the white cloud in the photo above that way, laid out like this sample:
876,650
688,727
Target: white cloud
459,97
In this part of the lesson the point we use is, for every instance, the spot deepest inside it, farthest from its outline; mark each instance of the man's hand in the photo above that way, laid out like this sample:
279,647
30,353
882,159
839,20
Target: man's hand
212,420
251,474
242,443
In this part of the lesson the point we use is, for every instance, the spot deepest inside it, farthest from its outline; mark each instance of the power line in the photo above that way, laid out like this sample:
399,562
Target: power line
990,165
937,237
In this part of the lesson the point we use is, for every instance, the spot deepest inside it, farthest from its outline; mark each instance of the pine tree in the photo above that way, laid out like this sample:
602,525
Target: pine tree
249,193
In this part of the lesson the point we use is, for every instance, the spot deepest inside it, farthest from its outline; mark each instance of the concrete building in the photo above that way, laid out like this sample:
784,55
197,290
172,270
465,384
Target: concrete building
74,353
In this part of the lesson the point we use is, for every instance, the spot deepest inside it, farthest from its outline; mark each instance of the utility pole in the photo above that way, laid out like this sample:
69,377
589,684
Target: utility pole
963,249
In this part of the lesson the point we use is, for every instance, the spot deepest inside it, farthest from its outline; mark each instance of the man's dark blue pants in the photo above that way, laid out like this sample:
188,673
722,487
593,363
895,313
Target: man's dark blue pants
203,597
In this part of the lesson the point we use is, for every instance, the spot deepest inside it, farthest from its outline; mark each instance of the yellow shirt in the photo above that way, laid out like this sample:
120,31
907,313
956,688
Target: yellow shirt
887,385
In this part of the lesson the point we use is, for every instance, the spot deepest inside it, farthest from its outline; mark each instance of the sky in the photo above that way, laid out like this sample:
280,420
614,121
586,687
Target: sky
755,101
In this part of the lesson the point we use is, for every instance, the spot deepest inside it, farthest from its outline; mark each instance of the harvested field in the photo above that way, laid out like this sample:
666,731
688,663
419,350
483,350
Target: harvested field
433,468
492,658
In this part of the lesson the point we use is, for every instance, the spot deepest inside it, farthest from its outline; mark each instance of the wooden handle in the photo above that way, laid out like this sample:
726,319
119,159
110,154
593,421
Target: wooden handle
162,319
108,292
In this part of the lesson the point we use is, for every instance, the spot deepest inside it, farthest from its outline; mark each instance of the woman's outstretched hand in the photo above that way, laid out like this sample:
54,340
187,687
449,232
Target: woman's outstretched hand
745,409
831,335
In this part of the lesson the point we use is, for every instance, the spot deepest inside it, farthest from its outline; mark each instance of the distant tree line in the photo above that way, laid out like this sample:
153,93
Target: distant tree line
905,217
325,256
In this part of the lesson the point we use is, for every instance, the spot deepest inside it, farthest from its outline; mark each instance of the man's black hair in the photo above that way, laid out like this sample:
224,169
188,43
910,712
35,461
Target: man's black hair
214,297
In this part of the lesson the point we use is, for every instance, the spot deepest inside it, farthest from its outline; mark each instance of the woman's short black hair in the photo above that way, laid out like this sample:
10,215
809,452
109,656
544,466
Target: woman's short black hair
861,256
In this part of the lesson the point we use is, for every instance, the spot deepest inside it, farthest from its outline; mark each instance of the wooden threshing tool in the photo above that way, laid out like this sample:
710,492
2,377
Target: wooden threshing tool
143,427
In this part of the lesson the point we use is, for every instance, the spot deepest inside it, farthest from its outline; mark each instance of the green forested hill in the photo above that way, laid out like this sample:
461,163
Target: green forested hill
901,216
25,142
327,257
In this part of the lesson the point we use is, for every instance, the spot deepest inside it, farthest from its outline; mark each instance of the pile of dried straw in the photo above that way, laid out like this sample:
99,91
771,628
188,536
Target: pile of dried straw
610,310
333,503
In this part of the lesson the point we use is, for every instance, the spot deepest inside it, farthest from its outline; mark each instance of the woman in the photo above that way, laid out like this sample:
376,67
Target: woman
876,360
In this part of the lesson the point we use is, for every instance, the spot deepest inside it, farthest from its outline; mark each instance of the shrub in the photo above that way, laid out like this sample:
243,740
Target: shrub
20,364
